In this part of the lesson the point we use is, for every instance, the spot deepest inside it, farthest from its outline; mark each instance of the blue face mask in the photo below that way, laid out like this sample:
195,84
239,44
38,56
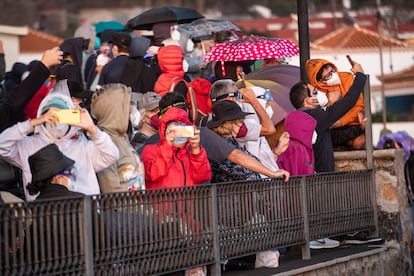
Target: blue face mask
180,140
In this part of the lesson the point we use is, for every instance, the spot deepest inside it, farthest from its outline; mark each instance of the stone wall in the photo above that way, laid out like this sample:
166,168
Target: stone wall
394,223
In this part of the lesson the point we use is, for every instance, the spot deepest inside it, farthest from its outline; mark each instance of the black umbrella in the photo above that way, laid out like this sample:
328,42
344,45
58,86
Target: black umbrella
145,20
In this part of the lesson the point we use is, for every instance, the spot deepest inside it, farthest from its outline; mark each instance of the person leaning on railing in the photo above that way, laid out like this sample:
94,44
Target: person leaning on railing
217,148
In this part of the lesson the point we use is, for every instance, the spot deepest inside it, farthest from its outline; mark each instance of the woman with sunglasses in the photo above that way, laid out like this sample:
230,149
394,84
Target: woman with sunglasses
52,173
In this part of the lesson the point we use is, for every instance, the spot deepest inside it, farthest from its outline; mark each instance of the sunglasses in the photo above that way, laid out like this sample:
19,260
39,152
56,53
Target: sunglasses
71,172
313,93
328,76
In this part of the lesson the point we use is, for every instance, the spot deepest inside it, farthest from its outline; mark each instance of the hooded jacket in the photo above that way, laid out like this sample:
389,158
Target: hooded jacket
313,66
110,107
168,166
298,159
170,61
91,155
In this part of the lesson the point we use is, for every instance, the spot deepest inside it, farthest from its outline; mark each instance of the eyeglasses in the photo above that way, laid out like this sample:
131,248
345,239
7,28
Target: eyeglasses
313,93
71,172
236,94
328,76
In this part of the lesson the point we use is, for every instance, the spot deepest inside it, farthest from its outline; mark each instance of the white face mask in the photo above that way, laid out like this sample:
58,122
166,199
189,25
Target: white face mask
322,99
185,65
58,130
269,111
134,115
314,137
334,80
175,35
190,46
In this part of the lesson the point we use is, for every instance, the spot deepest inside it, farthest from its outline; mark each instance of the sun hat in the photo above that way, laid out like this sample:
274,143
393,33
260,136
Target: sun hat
225,111
48,162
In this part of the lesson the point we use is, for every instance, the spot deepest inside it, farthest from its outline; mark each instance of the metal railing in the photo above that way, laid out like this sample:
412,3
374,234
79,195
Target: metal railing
167,230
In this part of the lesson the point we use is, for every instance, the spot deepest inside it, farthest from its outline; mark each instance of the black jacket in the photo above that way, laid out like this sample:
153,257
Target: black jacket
323,149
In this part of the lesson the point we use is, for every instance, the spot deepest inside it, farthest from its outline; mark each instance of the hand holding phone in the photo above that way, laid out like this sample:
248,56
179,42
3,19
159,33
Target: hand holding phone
184,131
67,116
350,60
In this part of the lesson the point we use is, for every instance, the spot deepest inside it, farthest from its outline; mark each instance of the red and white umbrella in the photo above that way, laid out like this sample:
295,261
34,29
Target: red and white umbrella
252,48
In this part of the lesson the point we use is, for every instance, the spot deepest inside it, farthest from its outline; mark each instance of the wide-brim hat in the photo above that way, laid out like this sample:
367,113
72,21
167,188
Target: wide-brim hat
225,111
48,162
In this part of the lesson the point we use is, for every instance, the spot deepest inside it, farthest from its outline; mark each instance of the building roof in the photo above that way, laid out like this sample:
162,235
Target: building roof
356,37
36,41
395,80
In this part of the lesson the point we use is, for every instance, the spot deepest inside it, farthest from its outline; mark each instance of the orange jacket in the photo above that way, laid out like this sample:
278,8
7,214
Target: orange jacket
312,68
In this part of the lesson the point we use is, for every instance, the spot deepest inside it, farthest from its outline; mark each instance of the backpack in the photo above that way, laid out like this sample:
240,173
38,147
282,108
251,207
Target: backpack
197,97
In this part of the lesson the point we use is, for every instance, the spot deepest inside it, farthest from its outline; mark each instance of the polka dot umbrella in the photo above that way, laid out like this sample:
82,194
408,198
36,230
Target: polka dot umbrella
252,48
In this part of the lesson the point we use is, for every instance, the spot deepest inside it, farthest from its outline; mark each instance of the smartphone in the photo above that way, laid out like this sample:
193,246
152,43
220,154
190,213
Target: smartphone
67,116
350,60
184,131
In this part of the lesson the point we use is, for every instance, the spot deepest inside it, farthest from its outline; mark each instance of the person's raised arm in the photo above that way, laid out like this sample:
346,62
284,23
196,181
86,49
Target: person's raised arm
267,126
240,158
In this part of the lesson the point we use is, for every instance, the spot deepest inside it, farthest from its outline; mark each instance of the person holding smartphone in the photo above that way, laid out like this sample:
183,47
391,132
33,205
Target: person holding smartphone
178,159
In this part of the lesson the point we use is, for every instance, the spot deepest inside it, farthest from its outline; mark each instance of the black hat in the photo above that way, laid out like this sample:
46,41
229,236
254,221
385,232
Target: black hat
171,99
48,162
225,111
76,90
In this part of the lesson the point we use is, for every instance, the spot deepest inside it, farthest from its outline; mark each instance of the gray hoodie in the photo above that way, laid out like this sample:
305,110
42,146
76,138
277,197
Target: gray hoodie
90,155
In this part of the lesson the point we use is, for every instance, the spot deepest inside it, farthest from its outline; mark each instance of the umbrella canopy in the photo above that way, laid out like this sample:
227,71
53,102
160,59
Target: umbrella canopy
252,48
204,27
279,79
145,20
111,25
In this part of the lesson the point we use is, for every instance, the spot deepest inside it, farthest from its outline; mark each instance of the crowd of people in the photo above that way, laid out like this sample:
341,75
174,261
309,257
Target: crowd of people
139,126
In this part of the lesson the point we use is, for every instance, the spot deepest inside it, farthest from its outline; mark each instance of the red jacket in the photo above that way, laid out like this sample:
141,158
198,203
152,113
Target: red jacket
168,166
170,61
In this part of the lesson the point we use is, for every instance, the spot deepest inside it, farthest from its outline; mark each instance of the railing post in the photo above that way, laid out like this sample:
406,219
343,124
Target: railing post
306,255
215,268
370,148
87,236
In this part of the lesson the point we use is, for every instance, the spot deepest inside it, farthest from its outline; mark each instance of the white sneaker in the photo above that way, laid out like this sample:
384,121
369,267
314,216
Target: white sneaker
323,243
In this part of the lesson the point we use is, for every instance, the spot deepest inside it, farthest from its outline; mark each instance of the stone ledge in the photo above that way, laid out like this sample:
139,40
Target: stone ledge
322,265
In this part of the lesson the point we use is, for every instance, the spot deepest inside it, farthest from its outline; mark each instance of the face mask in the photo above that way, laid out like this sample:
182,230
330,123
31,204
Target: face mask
180,140
134,115
322,98
71,184
175,35
314,137
242,131
155,121
334,80
58,130
185,66
269,111
190,46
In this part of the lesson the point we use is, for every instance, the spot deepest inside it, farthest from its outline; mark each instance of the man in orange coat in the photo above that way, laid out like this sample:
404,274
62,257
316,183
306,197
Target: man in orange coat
349,129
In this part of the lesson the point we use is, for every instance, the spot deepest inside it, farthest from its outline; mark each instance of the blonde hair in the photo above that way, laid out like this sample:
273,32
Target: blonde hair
226,128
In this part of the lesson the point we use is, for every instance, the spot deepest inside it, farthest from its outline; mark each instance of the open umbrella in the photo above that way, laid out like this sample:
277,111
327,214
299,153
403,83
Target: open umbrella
204,28
279,79
146,19
252,48
111,25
